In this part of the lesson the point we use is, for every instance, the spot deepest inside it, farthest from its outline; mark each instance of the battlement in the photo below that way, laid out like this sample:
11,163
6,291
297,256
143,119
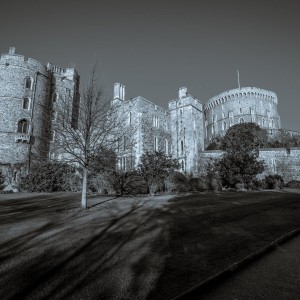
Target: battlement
185,101
245,92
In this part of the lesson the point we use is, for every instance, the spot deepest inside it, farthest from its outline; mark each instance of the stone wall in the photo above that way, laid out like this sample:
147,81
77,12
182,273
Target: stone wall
26,94
282,161
186,118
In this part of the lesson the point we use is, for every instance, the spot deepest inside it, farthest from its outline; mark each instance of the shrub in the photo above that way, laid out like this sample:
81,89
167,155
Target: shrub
181,183
295,184
2,181
48,177
274,182
127,183
257,185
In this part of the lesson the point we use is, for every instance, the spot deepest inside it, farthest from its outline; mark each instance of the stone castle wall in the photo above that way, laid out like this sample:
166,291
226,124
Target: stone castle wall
26,94
186,118
235,106
282,161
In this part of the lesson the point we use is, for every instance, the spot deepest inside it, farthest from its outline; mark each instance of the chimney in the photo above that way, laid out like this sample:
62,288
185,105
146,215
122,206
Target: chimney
12,50
182,92
119,91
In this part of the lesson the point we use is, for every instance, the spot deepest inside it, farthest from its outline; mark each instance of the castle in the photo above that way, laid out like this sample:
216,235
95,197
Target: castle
29,92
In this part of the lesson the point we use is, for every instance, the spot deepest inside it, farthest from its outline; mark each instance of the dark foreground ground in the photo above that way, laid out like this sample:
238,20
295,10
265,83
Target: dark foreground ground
132,248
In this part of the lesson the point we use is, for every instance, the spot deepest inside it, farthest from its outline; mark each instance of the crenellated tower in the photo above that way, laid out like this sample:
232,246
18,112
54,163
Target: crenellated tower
187,129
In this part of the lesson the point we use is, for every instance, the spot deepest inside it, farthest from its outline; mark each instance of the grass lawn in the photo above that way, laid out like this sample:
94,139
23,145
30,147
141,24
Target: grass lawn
133,248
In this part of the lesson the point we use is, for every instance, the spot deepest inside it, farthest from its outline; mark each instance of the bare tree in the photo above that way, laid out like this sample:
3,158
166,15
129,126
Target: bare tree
83,129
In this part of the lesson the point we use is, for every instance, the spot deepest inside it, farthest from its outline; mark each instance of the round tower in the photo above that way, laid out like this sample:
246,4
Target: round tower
24,92
247,104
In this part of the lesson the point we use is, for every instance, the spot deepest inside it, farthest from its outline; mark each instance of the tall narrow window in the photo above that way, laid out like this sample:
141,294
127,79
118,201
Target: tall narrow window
181,146
155,144
129,119
166,147
54,97
124,142
28,83
23,126
263,123
26,103
224,126
241,120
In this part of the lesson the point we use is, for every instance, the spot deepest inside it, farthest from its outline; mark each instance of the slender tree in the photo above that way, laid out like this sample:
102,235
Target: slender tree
83,129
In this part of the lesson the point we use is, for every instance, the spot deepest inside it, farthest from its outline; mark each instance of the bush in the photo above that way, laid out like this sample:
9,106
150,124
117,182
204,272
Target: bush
181,183
294,184
2,181
274,182
127,183
257,185
49,177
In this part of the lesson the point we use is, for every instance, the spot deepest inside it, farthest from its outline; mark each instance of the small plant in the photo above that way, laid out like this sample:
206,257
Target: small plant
2,181
274,182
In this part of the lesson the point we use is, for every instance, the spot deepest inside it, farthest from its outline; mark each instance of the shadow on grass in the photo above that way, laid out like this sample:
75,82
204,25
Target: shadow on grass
140,252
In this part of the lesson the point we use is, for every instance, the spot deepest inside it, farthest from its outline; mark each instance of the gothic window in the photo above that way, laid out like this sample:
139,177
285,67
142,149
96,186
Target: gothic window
155,121
166,147
54,97
28,83
26,103
23,126
124,142
241,120
224,126
155,144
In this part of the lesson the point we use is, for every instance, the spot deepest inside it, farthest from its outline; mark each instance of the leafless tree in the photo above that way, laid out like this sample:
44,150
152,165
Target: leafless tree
83,129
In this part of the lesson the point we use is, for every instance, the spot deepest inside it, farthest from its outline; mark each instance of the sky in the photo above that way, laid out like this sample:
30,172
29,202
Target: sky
155,47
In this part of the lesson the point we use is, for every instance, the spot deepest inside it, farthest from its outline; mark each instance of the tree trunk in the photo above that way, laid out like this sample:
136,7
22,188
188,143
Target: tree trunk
84,187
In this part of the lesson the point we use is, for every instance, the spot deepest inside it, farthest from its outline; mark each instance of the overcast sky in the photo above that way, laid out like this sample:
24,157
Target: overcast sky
155,47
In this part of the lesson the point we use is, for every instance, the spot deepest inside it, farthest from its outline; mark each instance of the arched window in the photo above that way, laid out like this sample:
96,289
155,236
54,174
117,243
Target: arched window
54,97
23,126
28,83
241,120
272,123
263,122
26,103
224,126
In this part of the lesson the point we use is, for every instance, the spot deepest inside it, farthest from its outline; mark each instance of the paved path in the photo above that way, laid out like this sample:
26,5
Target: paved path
275,275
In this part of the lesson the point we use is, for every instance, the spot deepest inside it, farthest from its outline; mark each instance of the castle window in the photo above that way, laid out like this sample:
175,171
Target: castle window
181,146
124,142
263,122
240,110
224,126
23,126
166,147
26,103
182,165
129,119
28,83
155,121
155,144
54,97
272,123
241,120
